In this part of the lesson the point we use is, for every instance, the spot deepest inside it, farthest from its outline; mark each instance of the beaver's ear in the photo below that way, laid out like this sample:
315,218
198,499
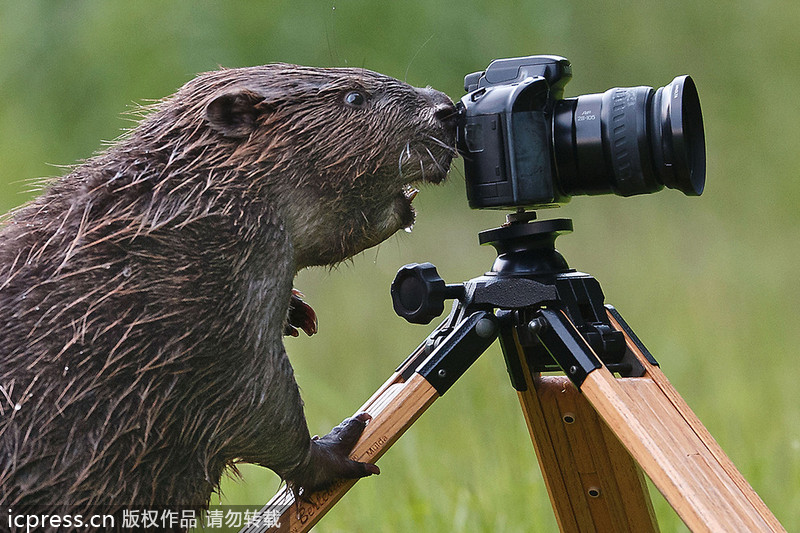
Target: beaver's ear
234,113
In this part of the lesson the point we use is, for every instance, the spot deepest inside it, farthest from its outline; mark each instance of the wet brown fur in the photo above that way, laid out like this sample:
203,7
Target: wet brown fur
143,296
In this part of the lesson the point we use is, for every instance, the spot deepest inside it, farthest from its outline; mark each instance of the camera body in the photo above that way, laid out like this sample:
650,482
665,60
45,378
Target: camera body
525,146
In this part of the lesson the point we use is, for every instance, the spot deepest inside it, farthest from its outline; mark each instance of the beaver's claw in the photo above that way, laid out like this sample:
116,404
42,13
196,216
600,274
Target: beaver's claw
329,461
301,315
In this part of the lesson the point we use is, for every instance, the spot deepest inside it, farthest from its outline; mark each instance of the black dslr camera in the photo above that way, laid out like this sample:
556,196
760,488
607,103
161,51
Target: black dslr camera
524,145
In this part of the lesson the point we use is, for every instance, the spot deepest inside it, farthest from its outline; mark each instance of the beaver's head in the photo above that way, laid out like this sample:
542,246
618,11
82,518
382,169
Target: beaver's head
337,152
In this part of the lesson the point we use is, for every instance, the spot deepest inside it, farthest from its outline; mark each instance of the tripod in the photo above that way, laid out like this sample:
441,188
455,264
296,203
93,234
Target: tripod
610,416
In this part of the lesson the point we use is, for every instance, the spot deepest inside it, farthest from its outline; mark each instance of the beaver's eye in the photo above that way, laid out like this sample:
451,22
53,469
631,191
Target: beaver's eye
355,99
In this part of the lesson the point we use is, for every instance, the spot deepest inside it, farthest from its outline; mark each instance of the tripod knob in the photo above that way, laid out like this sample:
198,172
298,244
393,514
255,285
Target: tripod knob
418,293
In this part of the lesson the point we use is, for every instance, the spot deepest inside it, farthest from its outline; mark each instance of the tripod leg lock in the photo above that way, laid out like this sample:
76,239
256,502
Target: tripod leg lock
631,335
451,358
565,345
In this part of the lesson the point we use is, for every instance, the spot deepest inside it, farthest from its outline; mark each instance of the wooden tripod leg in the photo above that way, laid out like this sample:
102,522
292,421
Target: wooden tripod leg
421,379
584,460
394,408
593,483
676,450
668,447
658,430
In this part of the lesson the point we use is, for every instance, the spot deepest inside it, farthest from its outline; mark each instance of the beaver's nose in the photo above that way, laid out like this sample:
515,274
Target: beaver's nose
444,110
446,113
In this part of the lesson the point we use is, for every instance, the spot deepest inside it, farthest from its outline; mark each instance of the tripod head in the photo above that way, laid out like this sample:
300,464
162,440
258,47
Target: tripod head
530,282
525,250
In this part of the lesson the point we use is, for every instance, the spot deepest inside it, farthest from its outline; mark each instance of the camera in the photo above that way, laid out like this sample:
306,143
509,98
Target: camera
526,146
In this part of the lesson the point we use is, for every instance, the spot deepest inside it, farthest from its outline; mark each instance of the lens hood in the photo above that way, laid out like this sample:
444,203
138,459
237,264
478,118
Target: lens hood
678,139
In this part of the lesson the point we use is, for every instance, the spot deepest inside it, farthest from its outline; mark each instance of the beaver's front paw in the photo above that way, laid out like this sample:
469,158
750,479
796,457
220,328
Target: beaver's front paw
328,459
301,315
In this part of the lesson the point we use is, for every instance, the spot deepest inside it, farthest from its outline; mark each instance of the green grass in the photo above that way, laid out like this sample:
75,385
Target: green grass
710,284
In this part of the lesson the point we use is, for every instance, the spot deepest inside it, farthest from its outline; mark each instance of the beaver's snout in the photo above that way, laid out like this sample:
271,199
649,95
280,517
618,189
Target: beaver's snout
444,110
447,114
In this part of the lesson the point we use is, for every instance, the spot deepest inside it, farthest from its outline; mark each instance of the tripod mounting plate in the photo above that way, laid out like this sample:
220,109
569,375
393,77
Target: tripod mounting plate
526,230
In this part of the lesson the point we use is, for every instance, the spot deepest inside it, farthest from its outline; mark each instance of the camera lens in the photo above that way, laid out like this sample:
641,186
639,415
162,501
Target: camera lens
631,140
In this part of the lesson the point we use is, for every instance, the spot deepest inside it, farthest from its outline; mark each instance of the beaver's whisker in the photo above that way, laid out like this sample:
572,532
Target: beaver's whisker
400,162
439,142
435,161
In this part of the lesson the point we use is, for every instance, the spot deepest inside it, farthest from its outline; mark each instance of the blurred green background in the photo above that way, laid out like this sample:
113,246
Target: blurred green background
711,284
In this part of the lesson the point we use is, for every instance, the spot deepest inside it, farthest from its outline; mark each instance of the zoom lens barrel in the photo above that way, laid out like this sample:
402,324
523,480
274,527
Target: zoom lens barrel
631,140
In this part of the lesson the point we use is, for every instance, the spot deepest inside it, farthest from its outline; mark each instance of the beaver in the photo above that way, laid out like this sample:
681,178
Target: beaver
144,295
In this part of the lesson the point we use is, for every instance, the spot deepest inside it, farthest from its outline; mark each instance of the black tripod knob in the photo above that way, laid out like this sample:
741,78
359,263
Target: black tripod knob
418,293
